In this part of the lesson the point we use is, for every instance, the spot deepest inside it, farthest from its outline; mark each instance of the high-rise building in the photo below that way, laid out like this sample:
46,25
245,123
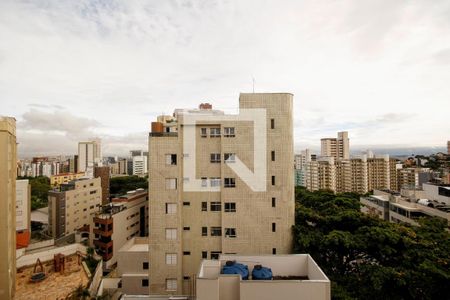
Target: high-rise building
103,173
8,169
336,147
224,213
23,205
413,177
378,173
140,165
326,174
300,165
351,175
71,206
89,156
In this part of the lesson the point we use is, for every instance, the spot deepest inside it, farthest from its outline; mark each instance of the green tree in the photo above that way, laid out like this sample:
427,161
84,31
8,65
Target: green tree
121,185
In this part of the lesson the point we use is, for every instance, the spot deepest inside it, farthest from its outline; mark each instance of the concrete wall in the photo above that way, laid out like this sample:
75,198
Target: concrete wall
269,290
45,255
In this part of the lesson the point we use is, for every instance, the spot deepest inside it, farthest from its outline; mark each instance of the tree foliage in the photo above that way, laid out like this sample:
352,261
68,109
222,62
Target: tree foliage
39,191
121,185
369,258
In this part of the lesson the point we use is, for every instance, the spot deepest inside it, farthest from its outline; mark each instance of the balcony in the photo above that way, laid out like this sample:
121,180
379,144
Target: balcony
103,245
105,233
103,219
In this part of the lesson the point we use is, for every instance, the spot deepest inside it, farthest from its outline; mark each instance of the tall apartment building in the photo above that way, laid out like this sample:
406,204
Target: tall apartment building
413,177
223,214
89,155
103,174
326,174
71,206
23,213
139,165
8,169
339,147
351,175
300,165
116,223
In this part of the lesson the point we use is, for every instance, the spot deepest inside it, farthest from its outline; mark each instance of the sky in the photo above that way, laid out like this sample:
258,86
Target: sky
71,70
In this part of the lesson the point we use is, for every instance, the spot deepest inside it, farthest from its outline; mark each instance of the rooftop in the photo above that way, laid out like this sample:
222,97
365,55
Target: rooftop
136,244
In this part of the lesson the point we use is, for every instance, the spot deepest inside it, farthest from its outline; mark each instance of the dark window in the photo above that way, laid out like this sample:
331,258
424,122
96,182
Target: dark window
173,159
203,132
215,254
230,207
216,231
228,132
215,206
272,123
186,203
230,232
186,252
274,251
214,132
273,180
145,265
274,227
144,282
229,157
186,277
215,158
204,231
186,228
273,155
274,202
92,192
230,182
204,254
204,206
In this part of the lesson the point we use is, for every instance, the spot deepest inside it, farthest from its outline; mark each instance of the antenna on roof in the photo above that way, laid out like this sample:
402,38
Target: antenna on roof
253,79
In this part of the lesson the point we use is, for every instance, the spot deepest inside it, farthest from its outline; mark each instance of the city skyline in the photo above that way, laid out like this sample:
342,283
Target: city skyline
72,71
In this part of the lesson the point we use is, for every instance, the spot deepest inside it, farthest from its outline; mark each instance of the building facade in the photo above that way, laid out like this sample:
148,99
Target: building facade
228,216
72,205
57,180
103,173
89,156
339,147
8,169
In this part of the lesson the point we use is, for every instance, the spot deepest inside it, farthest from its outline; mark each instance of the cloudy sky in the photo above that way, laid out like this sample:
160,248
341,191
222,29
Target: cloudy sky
70,70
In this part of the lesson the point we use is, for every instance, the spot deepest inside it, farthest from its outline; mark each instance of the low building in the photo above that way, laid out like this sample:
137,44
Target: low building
118,222
132,266
71,206
376,205
295,276
62,178
437,192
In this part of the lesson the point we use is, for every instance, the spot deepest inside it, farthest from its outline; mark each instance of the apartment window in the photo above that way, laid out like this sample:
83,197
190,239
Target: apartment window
274,227
186,203
215,181
215,206
186,277
171,183
186,252
171,159
214,132
272,123
229,182
204,181
216,231
171,258
273,180
204,231
171,208
171,284
203,133
204,206
145,265
230,232
171,233
144,282
274,251
187,228
229,157
230,207
204,254
274,202
228,132
215,158
93,192
273,155
215,254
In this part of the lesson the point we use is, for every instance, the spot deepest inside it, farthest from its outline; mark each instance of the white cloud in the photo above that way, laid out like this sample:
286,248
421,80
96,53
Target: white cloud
120,63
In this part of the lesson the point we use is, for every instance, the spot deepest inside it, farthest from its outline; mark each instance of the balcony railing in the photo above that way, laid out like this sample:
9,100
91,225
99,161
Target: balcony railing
106,233
160,134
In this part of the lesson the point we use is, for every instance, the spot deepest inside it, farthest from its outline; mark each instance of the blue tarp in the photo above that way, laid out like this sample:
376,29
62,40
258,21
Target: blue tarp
262,273
236,268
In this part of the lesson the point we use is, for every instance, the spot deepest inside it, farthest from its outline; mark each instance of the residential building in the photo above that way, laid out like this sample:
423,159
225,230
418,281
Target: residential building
351,175
8,169
339,147
223,213
71,206
132,266
437,192
326,173
413,177
301,162
312,175
391,206
57,180
294,276
139,165
118,222
23,213
89,156
378,173
103,174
